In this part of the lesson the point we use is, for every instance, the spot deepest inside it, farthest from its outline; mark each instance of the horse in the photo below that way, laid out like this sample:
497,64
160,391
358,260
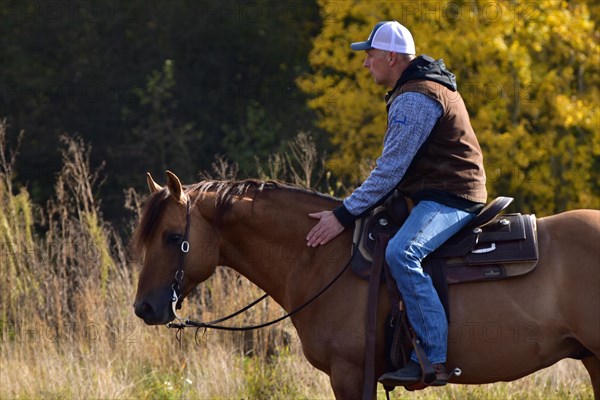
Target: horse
499,330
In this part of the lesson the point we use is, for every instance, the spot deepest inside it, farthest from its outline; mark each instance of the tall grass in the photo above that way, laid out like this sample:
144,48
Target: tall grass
67,328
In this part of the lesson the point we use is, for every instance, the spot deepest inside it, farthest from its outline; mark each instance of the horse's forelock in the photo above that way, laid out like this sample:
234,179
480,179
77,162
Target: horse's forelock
151,214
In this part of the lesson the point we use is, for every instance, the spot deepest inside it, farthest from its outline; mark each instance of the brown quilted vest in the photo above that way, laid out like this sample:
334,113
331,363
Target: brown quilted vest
451,158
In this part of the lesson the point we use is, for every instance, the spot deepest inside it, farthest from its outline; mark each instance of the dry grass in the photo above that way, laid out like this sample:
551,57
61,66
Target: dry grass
67,327
146,363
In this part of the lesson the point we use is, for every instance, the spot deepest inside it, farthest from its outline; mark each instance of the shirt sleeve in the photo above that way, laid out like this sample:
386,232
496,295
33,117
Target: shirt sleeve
411,118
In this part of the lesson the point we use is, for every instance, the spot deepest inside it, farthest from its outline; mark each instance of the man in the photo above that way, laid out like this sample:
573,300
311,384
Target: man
430,154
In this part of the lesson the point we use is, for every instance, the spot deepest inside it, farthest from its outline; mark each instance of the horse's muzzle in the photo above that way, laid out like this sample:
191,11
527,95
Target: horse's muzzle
154,310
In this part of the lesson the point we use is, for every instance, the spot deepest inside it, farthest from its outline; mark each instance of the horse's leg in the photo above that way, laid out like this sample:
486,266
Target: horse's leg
592,364
346,380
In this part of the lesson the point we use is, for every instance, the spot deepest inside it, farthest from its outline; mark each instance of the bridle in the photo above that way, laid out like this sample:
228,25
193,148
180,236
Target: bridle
184,248
177,286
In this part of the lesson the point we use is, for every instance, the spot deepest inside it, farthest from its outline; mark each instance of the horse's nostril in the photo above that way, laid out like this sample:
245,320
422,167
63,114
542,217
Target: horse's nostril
143,309
155,307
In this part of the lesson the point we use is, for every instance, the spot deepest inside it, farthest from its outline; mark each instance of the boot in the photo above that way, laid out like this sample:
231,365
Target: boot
411,374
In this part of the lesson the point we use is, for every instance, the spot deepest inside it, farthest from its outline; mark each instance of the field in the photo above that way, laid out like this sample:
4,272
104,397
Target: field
68,330
129,360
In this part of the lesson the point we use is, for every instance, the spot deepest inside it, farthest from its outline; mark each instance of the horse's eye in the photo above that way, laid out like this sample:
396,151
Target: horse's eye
173,238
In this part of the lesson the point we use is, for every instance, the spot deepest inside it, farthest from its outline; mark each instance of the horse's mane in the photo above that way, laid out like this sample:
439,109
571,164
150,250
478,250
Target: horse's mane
225,193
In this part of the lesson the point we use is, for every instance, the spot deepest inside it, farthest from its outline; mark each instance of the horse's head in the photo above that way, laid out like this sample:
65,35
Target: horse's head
164,226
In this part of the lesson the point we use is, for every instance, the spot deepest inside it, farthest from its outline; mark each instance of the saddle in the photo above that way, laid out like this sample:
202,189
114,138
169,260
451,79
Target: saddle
491,247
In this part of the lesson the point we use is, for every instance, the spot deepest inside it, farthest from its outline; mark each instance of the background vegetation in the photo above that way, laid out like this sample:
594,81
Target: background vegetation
97,93
165,84
170,84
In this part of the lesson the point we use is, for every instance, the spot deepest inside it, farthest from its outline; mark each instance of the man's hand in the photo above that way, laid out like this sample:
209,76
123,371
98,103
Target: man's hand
326,229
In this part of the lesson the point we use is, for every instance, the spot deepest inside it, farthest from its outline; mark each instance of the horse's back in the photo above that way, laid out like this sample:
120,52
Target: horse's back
570,242
574,224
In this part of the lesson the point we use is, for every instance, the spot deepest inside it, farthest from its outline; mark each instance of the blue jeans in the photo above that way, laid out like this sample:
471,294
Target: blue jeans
428,226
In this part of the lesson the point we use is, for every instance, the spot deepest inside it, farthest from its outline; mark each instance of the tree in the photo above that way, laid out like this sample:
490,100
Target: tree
152,85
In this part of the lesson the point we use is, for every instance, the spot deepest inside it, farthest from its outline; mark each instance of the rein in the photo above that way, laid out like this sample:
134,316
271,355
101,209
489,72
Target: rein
188,323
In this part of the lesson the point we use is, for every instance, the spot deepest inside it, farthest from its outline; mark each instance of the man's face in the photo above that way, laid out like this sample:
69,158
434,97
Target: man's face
378,63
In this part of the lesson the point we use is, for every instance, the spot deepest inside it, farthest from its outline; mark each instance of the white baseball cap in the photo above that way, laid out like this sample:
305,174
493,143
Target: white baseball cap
388,36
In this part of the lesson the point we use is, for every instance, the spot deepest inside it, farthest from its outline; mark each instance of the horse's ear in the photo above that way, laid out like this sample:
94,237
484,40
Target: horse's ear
174,185
153,186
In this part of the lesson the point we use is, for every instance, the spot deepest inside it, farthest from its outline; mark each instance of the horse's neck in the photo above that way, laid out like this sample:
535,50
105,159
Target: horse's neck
264,240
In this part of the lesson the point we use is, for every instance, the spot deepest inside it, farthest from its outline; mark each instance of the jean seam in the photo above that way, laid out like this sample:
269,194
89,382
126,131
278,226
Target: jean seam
412,283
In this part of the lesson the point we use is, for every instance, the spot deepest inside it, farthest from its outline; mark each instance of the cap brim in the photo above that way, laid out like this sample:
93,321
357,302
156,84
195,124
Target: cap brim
361,46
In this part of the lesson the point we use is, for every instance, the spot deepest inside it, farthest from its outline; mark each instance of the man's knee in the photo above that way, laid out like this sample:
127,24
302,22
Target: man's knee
394,253
402,253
